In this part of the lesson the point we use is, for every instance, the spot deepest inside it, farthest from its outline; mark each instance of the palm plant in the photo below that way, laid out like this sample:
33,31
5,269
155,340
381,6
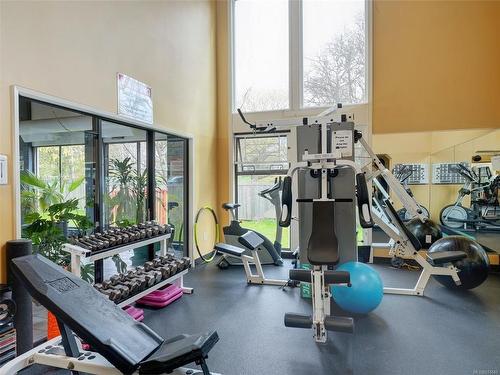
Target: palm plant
47,211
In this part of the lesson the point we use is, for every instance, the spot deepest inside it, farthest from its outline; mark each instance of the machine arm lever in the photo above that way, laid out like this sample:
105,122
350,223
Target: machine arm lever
286,202
365,216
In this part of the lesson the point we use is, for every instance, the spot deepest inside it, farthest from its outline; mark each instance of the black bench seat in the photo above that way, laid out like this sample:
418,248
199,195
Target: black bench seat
231,250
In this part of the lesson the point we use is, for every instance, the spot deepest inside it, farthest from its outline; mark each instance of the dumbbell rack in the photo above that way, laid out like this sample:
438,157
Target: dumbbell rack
78,253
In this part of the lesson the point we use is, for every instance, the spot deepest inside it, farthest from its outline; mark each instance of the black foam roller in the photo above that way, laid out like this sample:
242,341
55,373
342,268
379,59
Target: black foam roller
23,319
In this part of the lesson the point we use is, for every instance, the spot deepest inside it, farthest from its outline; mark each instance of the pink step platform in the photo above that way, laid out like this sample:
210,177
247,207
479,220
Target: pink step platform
161,297
134,312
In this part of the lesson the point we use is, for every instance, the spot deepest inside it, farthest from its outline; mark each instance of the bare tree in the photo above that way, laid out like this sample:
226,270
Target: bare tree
337,73
263,100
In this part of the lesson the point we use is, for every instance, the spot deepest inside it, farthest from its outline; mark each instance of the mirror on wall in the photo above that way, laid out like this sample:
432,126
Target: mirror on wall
452,177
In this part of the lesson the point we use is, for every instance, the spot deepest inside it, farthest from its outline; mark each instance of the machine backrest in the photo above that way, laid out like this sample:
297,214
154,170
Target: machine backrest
399,223
96,320
323,247
250,240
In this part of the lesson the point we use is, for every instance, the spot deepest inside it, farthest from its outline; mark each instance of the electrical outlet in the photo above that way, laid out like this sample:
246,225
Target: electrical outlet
350,116
3,170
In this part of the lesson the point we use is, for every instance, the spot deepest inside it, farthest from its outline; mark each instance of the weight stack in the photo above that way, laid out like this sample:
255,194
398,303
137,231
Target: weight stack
23,319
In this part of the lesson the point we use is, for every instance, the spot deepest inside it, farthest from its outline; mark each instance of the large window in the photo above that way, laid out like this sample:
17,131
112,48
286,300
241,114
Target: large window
294,54
334,52
260,166
261,55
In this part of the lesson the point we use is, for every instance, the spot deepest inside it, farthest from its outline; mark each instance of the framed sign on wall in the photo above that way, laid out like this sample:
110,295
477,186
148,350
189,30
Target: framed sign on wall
134,99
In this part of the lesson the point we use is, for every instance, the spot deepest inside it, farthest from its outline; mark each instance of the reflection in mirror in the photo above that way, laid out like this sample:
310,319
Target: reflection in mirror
57,173
453,177
170,181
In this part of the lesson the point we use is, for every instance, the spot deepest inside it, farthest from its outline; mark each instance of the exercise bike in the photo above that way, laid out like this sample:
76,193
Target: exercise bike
484,211
403,176
268,252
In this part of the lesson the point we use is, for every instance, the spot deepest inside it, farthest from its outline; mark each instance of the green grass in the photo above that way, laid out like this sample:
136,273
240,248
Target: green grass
267,227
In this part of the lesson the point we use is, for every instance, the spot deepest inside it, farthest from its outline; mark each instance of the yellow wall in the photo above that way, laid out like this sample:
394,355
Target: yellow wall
223,111
435,147
436,65
73,50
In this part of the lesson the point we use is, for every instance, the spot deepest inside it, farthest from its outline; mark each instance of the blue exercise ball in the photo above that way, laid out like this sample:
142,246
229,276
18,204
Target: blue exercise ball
366,290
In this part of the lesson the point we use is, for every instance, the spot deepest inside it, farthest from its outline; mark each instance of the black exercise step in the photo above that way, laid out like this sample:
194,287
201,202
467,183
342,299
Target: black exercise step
234,251
442,257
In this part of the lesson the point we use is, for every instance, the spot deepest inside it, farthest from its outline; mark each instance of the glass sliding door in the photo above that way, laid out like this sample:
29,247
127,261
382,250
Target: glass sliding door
171,186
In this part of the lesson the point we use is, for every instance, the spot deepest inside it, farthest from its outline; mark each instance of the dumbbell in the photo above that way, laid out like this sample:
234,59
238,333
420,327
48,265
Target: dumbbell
122,237
100,245
166,270
141,279
151,272
112,293
116,239
182,263
120,279
93,246
104,243
107,284
150,267
167,262
76,242
105,237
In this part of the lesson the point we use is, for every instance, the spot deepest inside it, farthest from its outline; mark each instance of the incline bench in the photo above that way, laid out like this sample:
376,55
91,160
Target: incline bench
118,343
251,241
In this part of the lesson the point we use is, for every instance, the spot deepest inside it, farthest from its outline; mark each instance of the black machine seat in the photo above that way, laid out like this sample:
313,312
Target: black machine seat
179,351
323,247
442,257
224,248
230,206
109,330
250,240
414,240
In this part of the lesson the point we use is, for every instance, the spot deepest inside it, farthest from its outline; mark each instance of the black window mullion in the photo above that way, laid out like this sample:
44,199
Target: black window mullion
99,190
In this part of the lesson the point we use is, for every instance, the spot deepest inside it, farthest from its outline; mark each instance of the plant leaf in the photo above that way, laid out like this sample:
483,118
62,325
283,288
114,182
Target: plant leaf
31,179
75,184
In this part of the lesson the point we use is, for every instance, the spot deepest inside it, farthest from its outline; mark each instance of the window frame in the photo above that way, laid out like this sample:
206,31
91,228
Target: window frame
296,63
271,172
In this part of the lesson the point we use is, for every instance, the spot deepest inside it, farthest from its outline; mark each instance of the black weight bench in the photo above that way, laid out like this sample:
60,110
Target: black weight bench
129,346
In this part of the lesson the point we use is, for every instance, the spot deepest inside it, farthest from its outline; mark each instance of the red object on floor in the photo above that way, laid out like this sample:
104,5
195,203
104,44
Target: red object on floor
52,326
161,297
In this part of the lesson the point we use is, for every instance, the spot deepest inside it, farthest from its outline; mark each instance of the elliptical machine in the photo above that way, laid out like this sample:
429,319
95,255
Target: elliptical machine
403,176
268,252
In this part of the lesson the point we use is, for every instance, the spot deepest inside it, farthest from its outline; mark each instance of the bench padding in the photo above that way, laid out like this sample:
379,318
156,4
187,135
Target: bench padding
179,351
231,250
323,247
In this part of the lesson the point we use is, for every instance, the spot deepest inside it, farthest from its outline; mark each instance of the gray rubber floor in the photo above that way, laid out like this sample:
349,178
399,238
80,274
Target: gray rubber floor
443,333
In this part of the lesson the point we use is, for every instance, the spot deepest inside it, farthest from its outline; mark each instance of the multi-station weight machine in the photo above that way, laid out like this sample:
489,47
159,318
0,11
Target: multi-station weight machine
330,186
